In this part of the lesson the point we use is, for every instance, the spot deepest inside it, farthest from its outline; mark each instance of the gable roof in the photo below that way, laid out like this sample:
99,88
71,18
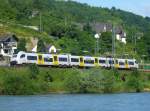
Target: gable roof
8,37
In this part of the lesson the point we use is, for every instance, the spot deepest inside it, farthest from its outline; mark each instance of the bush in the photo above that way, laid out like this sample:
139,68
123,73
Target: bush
134,82
34,71
108,82
72,82
16,84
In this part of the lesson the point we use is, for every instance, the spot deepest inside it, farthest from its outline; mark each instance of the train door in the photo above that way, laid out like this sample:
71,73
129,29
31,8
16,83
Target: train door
96,62
40,59
116,64
81,61
126,64
55,60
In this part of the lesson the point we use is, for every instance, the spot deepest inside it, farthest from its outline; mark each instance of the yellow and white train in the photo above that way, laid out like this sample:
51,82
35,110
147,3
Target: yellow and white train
68,60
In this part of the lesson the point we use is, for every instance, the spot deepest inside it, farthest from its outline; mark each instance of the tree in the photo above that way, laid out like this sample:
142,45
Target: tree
106,42
22,45
87,28
41,46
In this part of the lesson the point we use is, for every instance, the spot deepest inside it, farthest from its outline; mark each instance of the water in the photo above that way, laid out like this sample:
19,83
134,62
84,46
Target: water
78,102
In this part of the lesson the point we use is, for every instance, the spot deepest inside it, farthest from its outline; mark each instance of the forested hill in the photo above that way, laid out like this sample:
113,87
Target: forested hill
63,21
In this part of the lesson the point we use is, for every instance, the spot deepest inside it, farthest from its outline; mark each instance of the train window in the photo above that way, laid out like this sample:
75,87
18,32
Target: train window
96,60
63,59
131,63
81,59
32,57
22,56
111,62
40,57
55,58
121,63
89,61
48,59
102,61
74,60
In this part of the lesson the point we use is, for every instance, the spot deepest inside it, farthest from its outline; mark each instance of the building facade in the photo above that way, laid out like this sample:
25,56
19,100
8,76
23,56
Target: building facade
8,45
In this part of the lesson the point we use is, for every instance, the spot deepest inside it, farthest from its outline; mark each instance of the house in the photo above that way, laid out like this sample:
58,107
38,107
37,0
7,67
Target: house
8,45
101,27
51,49
105,27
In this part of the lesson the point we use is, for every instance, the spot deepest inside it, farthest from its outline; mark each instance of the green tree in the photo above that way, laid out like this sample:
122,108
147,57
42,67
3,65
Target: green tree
41,46
22,44
106,42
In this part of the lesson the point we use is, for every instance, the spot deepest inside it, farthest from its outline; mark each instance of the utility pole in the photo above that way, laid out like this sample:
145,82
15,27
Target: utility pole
135,44
113,44
40,28
113,41
97,36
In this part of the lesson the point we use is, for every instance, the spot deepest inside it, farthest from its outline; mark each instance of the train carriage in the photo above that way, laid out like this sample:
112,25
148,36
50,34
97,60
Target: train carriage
74,61
132,63
89,61
67,60
102,62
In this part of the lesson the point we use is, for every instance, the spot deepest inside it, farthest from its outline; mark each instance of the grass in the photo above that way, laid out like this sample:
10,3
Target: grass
38,80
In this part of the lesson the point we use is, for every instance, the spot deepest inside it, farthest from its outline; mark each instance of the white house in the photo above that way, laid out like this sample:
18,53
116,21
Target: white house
8,45
51,49
121,37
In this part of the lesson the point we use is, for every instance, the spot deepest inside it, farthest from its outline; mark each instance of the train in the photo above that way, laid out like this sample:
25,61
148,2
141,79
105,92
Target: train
68,60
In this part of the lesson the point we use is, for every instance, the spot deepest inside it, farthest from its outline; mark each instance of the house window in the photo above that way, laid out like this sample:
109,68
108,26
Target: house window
6,51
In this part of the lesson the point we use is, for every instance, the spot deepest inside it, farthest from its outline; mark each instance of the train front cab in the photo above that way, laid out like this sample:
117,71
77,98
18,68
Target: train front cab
132,64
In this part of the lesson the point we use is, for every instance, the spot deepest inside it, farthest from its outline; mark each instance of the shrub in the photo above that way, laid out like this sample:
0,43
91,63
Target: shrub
134,82
72,82
34,71
16,84
108,82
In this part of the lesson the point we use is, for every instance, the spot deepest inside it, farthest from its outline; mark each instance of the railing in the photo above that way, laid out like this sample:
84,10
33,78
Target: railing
144,67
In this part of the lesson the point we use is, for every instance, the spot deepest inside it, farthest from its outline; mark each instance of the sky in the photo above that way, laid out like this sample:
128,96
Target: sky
140,7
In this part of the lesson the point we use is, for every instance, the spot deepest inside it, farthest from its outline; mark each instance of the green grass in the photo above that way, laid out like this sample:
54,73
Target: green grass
35,80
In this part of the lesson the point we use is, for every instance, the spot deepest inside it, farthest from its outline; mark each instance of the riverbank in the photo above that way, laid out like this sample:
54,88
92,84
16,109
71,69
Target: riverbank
34,80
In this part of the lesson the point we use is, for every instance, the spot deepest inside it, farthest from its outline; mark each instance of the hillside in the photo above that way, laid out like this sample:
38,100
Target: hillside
61,23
